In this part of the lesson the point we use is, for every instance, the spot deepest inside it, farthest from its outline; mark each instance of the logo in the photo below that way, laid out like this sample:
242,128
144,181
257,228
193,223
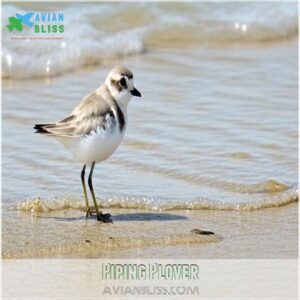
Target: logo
18,21
31,23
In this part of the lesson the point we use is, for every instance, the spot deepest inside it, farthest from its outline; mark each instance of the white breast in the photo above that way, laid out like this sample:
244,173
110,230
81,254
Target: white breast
99,144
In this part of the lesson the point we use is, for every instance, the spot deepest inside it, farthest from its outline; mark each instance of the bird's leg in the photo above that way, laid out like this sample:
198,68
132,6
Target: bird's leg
88,210
105,218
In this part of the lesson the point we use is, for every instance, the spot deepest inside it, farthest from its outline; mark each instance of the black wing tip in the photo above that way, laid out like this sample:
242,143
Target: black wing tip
40,128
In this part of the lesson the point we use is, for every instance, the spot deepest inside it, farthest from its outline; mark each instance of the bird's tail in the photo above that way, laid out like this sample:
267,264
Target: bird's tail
41,128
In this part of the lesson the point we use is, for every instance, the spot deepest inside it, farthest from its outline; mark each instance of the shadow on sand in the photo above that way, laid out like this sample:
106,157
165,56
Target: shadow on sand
125,217
147,217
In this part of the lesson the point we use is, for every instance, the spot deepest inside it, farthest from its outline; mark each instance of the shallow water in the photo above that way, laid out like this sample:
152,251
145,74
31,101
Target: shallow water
216,126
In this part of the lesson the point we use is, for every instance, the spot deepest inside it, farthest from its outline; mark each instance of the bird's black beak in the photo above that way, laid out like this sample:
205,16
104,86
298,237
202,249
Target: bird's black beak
136,93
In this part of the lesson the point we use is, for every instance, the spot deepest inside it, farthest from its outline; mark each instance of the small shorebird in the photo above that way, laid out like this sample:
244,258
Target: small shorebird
95,128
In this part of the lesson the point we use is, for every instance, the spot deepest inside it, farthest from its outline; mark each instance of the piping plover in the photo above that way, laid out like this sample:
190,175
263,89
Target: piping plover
95,128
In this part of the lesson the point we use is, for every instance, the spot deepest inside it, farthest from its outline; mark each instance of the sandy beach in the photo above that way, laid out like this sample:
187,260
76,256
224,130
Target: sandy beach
211,145
267,233
205,179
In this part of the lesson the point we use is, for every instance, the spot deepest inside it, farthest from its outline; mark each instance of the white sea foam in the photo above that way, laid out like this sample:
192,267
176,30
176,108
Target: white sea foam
95,32
144,203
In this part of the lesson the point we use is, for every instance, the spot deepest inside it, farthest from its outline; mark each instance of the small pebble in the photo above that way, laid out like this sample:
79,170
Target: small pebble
203,232
87,241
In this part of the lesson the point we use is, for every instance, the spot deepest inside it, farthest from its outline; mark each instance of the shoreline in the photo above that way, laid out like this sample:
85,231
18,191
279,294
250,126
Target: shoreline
140,234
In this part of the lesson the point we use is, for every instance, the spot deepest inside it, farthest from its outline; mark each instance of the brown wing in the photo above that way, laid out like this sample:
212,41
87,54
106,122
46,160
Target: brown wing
91,113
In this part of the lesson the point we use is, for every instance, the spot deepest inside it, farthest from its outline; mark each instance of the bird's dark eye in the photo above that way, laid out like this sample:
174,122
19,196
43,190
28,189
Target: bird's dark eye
123,82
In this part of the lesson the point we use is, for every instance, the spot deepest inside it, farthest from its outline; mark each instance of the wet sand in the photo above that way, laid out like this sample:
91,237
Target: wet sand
266,233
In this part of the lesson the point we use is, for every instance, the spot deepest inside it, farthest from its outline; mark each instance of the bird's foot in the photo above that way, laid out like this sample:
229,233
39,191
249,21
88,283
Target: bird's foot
105,218
89,213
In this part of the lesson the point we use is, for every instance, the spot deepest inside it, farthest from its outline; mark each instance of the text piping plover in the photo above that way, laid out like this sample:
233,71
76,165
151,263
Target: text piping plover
95,128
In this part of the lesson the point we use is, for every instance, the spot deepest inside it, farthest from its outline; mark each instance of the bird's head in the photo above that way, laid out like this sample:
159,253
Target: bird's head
120,84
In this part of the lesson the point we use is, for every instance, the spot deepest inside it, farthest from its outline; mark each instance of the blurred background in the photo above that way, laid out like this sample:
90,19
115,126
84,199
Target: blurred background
216,126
